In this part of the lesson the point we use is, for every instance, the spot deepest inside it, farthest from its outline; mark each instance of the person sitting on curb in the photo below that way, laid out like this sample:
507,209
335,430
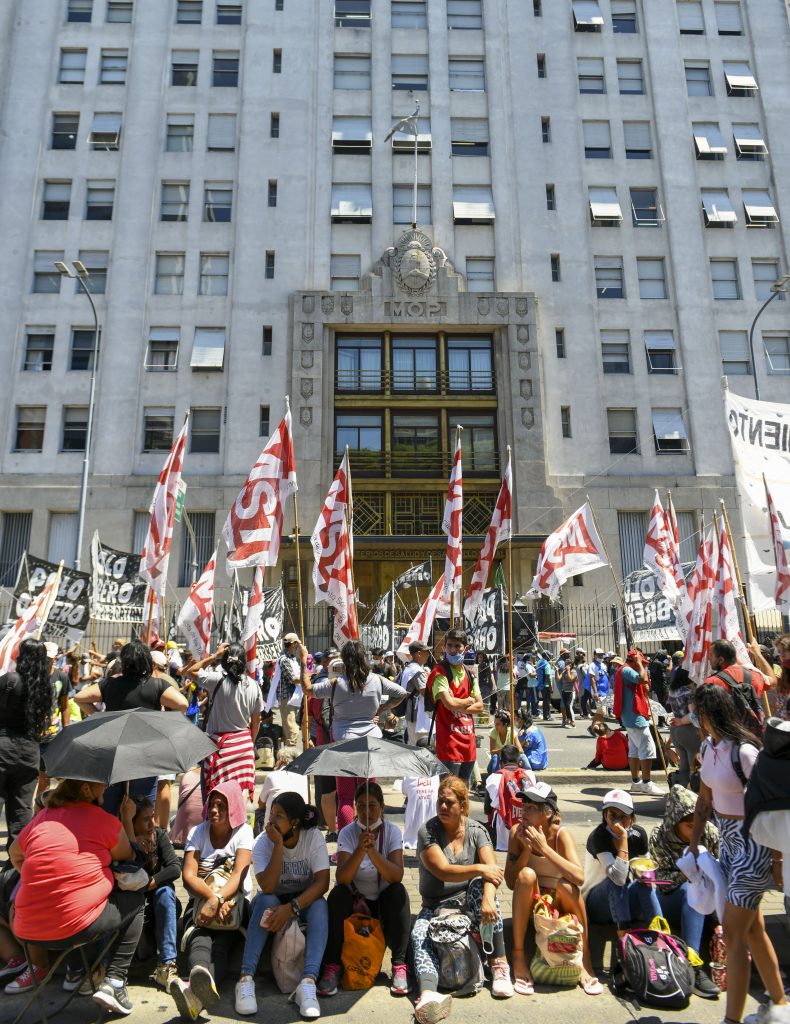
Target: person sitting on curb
611,747
542,860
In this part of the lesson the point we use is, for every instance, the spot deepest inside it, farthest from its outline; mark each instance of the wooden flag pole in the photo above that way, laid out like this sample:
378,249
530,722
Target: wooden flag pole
347,514
305,718
510,631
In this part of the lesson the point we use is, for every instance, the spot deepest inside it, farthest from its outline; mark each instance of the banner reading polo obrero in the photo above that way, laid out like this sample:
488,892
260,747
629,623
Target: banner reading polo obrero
332,546
760,437
254,525
573,549
197,612
118,589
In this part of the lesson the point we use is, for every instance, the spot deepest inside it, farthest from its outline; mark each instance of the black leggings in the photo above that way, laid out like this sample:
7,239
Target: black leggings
392,908
121,906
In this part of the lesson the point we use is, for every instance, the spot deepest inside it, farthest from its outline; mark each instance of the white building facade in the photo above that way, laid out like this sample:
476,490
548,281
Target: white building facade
600,215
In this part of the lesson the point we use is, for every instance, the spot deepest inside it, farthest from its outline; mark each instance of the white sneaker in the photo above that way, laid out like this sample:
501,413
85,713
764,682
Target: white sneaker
770,1013
432,1007
306,999
651,789
246,1003
636,787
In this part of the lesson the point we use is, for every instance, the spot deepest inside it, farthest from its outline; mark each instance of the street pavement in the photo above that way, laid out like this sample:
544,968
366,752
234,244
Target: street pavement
580,793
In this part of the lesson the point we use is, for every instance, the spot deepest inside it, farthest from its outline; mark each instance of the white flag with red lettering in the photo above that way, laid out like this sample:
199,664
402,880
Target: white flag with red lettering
724,592
197,613
332,547
254,525
701,586
683,609
30,622
499,531
452,526
159,539
662,557
573,549
782,587
252,622
420,629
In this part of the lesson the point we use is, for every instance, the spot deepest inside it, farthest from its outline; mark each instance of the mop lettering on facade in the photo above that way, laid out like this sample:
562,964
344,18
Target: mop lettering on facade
416,308
759,432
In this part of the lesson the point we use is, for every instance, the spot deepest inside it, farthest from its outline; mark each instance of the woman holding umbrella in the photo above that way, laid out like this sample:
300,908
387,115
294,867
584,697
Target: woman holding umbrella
356,697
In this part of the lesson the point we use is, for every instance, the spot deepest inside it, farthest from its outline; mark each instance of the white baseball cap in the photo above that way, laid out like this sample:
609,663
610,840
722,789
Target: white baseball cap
620,799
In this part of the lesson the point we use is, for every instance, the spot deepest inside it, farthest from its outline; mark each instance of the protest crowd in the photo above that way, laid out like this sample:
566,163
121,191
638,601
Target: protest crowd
94,852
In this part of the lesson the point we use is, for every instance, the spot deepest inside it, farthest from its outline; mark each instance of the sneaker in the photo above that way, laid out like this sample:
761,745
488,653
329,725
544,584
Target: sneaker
501,985
26,981
246,1003
432,1007
400,980
636,787
15,966
164,974
85,987
651,789
202,984
703,986
329,980
113,998
188,1004
305,998
769,1013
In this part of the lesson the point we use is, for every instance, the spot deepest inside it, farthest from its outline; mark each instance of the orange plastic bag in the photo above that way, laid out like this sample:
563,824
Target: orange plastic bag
363,951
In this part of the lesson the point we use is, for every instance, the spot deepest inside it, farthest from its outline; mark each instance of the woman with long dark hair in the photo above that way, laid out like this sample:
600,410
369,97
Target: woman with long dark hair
356,698
26,696
728,755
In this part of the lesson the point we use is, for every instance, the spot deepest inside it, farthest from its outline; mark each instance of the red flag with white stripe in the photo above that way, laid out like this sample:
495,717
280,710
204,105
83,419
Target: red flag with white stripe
700,624
197,613
499,531
332,547
30,622
159,539
420,629
253,621
782,587
453,527
724,592
657,556
254,525
572,549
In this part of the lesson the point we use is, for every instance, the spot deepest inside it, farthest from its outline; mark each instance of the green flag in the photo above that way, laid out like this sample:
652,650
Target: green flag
499,577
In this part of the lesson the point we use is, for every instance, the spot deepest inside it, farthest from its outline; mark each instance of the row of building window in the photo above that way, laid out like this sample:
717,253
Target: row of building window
717,208
188,12
588,17
669,430
113,67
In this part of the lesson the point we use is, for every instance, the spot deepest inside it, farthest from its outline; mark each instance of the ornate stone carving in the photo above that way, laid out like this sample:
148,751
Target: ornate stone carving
522,334
328,304
503,306
307,359
528,418
414,263
308,333
305,416
484,306
346,305
525,389
525,360
522,307
308,304
306,388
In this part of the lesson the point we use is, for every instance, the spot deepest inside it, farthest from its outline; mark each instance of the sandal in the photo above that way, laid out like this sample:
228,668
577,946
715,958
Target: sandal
522,987
591,986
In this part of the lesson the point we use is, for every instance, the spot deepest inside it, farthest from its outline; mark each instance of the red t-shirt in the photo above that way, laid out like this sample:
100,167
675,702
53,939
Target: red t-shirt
66,876
612,751
736,671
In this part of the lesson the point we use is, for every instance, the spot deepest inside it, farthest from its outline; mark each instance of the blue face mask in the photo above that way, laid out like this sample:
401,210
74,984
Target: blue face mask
694,719
455,659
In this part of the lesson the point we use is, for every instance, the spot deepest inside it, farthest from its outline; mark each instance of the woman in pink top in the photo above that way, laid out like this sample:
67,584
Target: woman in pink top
728,756
66,891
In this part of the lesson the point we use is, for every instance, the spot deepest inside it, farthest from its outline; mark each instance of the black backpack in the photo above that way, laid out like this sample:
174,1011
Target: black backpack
747,707
655,967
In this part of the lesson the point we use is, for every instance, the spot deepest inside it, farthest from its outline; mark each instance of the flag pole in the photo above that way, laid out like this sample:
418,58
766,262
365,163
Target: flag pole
629,636
347,515
510,622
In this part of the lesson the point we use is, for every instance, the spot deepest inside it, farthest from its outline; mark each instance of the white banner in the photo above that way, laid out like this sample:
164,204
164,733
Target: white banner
760,437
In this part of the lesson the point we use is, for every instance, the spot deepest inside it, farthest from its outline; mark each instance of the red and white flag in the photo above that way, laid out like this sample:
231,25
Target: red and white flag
499,531
657,555
30,622
452,526
782,587
699,635
253,621
724,593
332,547
420,629
197,613
683,609
159,539
573,549
254,525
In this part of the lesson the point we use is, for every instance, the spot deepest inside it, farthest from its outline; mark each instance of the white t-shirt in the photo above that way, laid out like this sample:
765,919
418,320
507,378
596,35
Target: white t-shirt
299,865
421,795
199,840
367,879
280,781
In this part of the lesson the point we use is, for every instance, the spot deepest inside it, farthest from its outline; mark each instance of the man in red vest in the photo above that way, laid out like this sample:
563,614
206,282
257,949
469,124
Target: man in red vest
456,697
632,708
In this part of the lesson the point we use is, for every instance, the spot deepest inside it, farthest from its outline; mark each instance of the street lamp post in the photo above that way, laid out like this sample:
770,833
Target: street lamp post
777,288
79,273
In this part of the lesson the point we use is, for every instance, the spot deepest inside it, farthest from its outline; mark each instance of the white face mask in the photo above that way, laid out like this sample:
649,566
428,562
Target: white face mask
372,825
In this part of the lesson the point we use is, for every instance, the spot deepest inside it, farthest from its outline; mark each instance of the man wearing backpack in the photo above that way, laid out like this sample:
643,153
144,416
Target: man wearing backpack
454,697
745,684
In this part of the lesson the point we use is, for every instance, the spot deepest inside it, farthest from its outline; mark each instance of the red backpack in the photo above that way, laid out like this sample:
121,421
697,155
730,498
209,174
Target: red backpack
509,787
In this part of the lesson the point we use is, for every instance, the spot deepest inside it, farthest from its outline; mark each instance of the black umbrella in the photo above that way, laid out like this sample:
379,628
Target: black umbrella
364,756
117,746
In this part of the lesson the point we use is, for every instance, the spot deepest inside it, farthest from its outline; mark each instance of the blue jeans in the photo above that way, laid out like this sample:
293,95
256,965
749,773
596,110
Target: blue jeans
532,697
317,919
675,908
163,901
622,905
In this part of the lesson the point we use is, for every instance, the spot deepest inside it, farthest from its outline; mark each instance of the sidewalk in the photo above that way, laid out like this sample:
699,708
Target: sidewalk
580,794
